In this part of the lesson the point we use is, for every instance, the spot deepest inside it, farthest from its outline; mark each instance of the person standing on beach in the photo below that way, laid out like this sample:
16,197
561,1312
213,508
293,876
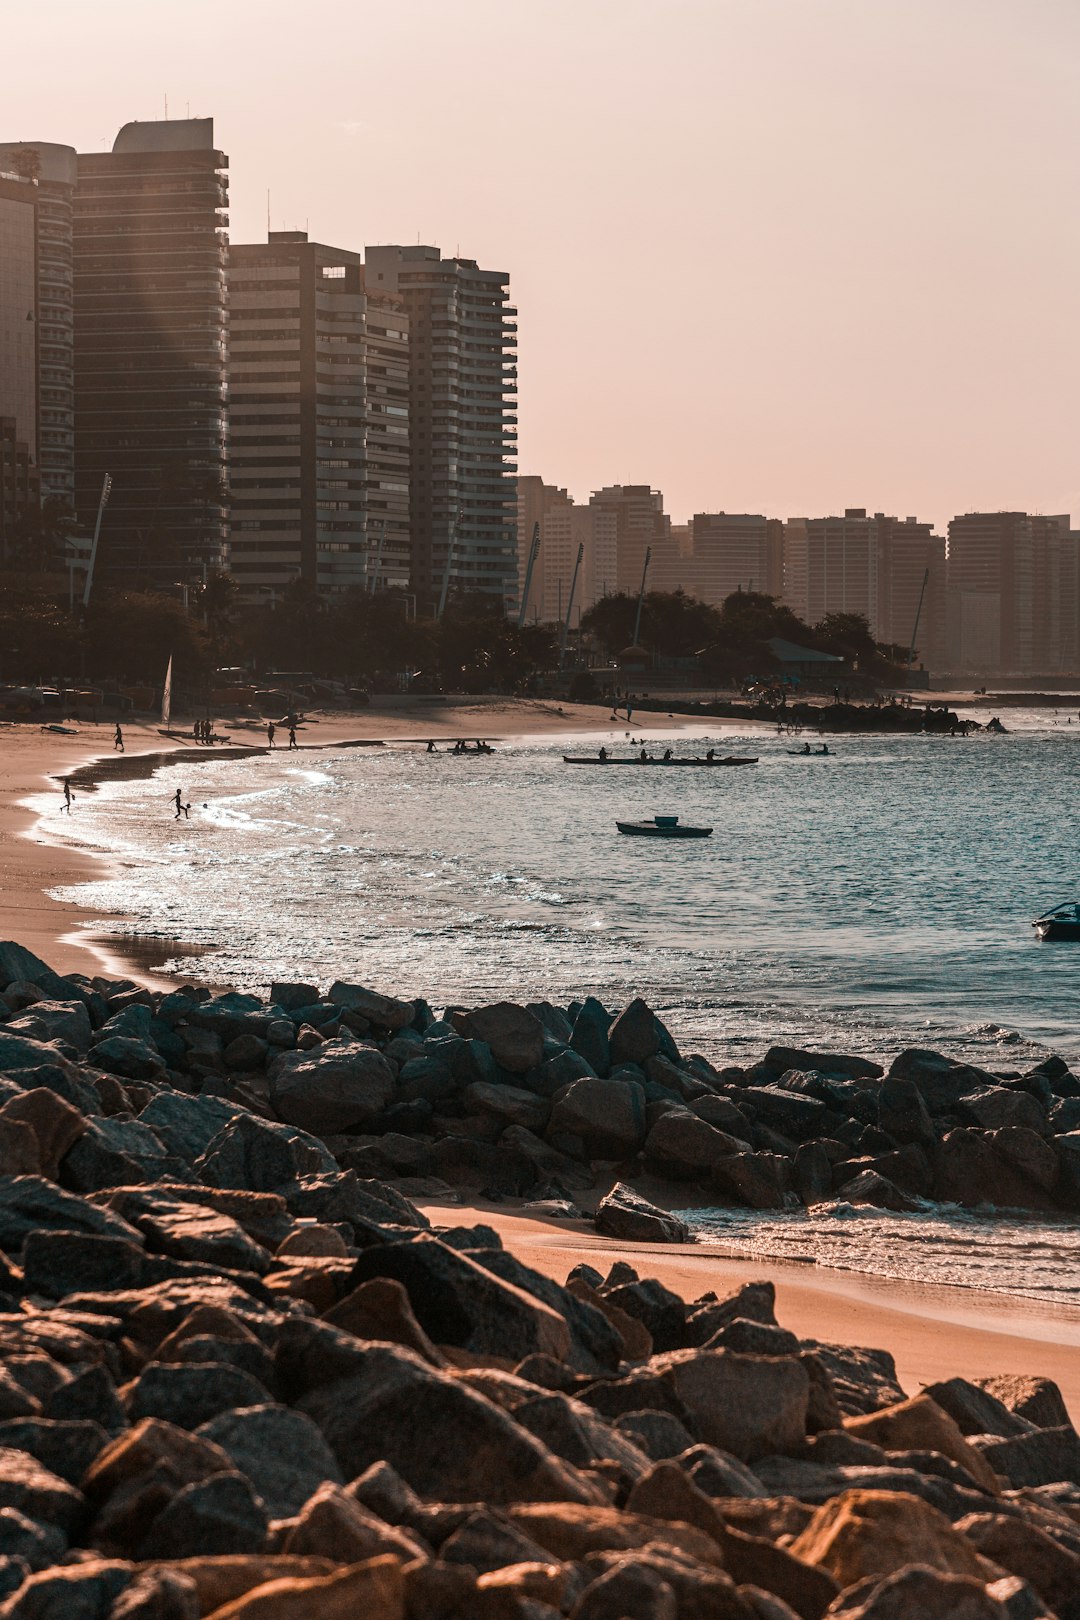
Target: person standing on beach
292,738
68,796
118,740
270,730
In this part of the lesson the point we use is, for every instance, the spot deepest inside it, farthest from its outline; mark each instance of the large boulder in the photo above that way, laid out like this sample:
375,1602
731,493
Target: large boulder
280,1451
636,1034
1031,1398
992,1107
186,1125
684,1146
340,1085
514,1034
920,1424
256,1155
589,1035
902,1113
794,1114
19,965
758,1180
861,1533
623,1213
458,1302
445,1440
386,1012
941,1082
608,1116
750,1406
1044,1457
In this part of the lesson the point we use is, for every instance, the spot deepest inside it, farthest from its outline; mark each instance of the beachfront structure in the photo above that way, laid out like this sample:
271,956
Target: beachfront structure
462,421
564,525
51,170
150,351
18,312
641,525
1012,594
319,421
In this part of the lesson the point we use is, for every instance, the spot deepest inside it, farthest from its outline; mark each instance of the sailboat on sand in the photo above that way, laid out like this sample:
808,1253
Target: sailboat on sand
166,700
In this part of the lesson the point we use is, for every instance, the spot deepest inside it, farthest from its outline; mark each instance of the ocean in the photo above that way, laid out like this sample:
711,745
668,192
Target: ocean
876,899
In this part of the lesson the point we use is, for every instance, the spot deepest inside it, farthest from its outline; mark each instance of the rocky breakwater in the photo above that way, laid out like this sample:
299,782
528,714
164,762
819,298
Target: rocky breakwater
242,1377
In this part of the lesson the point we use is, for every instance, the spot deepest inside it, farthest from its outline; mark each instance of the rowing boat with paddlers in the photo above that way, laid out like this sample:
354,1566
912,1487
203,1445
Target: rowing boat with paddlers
698,764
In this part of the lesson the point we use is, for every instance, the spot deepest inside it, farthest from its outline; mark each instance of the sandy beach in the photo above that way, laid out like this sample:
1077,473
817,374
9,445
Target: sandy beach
933,1333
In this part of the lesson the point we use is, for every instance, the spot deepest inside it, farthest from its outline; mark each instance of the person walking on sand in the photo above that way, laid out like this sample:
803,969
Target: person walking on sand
179,802
292,738
68,796
118,740
270,730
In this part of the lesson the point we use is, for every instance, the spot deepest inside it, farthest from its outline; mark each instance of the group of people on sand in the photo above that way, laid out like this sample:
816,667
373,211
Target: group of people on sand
203,731
271,733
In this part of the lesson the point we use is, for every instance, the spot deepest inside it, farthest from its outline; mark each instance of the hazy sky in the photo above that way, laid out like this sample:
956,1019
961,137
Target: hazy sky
769,255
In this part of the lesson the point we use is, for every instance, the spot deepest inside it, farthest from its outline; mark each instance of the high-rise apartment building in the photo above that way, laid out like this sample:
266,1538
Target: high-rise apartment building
911,587
1012,594
18,487
830,566
150,350
52,171
641,524
319,420
734,551
18,308
462,418
564,525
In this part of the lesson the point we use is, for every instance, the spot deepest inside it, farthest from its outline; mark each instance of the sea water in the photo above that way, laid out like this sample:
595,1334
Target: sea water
876,899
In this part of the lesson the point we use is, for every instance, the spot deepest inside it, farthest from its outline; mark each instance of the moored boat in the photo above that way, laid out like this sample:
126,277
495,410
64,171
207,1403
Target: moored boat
1063,922
662,827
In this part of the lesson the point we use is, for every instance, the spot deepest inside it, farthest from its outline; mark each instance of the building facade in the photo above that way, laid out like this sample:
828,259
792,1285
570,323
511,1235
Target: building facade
19,308
150,351
830,566
18,489
1013,605
911,588
564,526
641,525
52,171
734,551
318,401
462,419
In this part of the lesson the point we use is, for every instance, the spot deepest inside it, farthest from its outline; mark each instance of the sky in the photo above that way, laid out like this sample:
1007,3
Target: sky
782,256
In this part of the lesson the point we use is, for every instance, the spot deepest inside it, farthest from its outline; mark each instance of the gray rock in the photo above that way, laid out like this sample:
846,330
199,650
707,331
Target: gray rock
89,1397
35,1491
31,1204
636,1034
515,1035
902,1111
684,1146
658,1434
19,965
210,1518
54,1021
60,1263
758,1180
941,1082
458,1302
338,1086
991,1107
625,1214
589,1035
870,1188
158,1594
1041,1458
446,1441
189,1395
289,996
186,1125
66,1449
607,1115
386,1012
718,1473
230,1015
1036,1400
917,1590
191,1232
246,1052
280,1451
129,1059
260,1156
78,1592
37,1544
975,1410
510,1104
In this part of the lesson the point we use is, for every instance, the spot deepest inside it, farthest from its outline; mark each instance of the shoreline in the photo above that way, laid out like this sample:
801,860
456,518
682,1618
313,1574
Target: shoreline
933,1332
31,862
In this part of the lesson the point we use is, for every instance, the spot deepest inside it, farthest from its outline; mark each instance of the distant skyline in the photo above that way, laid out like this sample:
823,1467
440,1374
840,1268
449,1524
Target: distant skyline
783,256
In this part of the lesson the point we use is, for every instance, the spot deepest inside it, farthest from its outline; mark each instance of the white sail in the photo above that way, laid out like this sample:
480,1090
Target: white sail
166,696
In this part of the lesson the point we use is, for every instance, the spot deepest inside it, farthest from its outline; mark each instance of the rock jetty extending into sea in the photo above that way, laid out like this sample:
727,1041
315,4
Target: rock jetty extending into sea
243,1377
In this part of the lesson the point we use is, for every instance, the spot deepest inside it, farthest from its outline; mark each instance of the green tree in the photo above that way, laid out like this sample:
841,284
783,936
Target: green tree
130,635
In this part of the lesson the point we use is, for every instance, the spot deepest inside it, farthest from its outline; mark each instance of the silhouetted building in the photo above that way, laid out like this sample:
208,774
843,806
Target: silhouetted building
52,171
462,420
18,308
318,413
150,350
830,566
18,486
991,582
